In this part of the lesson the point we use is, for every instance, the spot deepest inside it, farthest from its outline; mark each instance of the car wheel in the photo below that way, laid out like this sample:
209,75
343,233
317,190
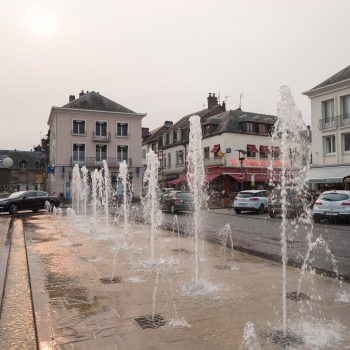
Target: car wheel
172,209
13,209
261,209
237,211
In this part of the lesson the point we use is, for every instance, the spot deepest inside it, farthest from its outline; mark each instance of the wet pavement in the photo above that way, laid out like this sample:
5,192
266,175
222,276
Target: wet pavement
71,258
17,329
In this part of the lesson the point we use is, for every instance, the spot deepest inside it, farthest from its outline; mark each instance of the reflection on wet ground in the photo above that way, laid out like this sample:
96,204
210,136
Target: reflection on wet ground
69,260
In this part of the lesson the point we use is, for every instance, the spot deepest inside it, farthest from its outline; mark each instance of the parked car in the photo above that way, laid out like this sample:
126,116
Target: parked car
295,202
176,201
332,205
254,200
27,200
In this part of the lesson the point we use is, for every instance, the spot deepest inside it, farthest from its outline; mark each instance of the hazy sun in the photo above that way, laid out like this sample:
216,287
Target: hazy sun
42,22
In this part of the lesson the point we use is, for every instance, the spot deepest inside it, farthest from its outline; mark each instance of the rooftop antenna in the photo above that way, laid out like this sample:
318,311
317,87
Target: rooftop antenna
219,97
240,99
226,97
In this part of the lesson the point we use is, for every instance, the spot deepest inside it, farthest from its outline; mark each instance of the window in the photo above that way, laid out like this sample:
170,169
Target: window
101,153
206,153
78,153
262,129
327,110
23,165
122,153
179,158
170,138
346,142
122,129
164,163
264,151
179,134
249,127
276,152
169,160
345,105
175,136
329,144
101,128
251,150
167,139
164,140
79,127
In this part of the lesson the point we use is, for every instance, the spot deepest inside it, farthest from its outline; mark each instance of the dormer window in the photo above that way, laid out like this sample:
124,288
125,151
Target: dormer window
179,135
249,127
175,136
23,165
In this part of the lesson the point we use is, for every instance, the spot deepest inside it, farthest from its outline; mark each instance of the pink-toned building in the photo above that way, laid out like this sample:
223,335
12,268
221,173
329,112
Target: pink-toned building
88,130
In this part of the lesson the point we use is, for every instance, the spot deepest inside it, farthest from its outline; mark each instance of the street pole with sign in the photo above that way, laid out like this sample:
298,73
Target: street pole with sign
241,177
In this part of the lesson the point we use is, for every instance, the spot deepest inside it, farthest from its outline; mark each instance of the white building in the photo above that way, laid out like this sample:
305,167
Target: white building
330,126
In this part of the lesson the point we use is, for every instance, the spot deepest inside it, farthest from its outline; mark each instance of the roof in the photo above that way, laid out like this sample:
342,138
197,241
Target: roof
95,101
230,121
344,74
31,157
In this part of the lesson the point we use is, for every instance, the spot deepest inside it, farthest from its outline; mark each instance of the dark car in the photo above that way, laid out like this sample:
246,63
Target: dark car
27,200
295,203
176,201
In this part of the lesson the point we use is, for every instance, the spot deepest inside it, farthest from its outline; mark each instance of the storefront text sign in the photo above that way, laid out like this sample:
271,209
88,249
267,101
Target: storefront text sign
276,163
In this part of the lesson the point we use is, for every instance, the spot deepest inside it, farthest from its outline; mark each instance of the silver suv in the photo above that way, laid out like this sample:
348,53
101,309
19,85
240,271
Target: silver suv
254,200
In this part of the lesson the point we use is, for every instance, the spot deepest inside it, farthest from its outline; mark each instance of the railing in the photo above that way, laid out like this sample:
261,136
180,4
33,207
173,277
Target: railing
97,161
214,161
101,138
334,122
78,133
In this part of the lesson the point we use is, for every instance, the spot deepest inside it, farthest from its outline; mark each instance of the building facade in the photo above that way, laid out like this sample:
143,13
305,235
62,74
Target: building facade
88,130
330,126
26,173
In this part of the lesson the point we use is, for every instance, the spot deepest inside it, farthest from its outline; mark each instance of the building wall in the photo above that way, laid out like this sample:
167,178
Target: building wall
63,140
318,152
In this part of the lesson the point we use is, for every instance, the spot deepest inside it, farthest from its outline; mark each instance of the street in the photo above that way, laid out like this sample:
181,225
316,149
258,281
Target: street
260,235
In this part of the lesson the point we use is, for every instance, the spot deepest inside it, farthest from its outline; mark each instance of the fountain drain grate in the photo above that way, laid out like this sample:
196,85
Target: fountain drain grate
108,280
285,341
180,250
223,267
149,321
295,296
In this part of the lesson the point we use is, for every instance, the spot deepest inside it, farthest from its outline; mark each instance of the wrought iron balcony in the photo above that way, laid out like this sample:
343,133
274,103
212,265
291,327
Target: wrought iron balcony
97,161
334,122
101,138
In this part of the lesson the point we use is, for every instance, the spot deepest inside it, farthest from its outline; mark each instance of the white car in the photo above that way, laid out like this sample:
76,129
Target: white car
254,200
332,204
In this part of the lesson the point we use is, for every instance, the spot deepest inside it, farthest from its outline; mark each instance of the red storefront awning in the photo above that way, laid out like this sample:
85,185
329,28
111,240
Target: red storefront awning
235,176
276,150
252,148
211,177
215,148
264,149
182,178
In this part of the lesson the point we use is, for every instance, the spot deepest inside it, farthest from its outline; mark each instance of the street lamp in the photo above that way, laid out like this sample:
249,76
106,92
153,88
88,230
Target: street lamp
241,154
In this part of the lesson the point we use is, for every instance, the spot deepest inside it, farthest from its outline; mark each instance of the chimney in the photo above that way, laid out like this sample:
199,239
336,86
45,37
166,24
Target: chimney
212,100
168,123
145,132
81,93
71,98
224,105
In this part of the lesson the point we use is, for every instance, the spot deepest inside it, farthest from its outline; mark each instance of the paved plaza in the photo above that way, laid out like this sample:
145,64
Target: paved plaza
76,306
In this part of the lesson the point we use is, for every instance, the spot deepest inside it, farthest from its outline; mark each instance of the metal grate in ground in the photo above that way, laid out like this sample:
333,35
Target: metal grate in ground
223,267
285,341
150,321
181,250
295,296
108,280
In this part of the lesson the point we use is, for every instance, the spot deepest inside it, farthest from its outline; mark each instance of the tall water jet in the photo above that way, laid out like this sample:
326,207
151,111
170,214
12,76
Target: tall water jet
94,192
195,179
107,190
290,134
123,174
151,208
76,189
85,188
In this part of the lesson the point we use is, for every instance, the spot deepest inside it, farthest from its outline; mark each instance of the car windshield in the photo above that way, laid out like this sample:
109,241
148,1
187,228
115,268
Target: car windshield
246,194
333,197
16,194
183,195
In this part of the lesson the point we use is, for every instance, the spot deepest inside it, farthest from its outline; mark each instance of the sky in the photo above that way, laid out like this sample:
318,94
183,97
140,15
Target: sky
162,57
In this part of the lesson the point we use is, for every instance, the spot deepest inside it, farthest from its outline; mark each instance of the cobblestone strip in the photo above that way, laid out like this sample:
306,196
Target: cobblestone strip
16,323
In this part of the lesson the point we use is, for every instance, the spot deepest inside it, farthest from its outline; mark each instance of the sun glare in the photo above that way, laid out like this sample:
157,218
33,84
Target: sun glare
42,22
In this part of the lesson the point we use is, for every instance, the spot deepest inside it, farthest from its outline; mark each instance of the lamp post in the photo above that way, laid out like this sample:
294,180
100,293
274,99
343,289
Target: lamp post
241,154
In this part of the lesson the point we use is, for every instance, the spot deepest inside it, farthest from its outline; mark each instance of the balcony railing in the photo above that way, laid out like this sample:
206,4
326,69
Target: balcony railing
101,138
214,161
334,122
97,161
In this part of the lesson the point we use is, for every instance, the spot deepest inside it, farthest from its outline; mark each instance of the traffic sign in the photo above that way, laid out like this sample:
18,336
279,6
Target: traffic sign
240,177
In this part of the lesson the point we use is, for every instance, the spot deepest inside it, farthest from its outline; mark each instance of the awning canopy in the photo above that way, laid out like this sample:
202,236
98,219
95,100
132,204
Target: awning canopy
276,150
252,148
215,148
235,176
182,178
326,175
264,149
211,177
